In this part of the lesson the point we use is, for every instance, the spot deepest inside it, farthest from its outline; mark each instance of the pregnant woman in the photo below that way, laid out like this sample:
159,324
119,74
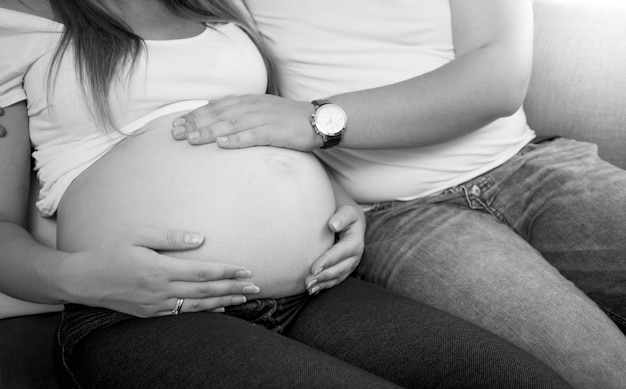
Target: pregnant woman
102,82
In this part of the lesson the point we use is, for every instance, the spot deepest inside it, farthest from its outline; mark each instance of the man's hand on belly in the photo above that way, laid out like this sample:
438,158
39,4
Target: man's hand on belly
235,122
336,264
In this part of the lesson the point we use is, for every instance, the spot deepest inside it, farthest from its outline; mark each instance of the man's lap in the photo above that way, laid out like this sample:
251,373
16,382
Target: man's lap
462,251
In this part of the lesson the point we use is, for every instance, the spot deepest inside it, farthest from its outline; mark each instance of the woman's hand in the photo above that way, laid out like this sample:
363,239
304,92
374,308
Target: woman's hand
128,275
335,265
251,120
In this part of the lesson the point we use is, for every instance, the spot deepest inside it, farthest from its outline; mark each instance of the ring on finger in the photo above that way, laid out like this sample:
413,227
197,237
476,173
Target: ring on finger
178,307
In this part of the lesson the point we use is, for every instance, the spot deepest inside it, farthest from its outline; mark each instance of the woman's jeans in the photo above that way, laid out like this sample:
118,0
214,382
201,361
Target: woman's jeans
528,251
355,335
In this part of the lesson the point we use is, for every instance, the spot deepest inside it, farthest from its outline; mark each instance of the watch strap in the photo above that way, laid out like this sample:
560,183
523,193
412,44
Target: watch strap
319,102
331,140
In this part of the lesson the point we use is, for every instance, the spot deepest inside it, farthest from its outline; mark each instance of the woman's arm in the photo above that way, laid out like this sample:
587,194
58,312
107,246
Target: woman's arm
127,275
486,81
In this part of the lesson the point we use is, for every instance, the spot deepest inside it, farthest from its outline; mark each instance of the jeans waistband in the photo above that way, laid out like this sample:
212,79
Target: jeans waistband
273,314
482,182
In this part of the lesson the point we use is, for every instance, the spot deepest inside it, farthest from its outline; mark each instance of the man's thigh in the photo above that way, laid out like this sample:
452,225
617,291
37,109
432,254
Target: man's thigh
470,264
571,206
456,257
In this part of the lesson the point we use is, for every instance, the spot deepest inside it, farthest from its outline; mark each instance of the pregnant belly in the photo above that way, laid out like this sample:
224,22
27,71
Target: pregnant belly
264,208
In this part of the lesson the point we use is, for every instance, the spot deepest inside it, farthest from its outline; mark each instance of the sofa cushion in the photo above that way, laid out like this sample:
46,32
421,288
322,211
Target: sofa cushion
578,84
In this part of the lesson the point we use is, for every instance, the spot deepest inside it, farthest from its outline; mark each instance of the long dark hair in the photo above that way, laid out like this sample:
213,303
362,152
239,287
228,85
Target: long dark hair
106,49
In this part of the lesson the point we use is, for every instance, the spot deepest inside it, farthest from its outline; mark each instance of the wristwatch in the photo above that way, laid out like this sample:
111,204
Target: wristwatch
329,121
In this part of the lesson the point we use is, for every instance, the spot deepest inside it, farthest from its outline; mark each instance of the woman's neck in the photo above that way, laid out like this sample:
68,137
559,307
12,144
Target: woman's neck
151,20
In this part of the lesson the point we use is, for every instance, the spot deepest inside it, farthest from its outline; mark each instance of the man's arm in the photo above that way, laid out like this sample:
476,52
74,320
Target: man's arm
487,81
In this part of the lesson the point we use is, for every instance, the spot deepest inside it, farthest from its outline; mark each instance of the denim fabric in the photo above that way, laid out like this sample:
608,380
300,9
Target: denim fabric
353,335
79,321
273,314
528,251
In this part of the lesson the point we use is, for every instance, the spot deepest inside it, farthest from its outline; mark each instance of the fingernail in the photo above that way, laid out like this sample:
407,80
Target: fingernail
193,238
335,225
315,290
179,122
243,274
219,310
193,137
239,300
311,283
251,289
3,131
178,131
318,271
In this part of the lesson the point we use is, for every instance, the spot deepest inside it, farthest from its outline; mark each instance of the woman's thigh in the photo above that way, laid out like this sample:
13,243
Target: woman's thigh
470,264
201,350
412,344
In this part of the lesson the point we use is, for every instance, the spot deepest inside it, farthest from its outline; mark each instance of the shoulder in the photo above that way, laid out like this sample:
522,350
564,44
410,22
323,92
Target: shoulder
26,17
24,37
40,8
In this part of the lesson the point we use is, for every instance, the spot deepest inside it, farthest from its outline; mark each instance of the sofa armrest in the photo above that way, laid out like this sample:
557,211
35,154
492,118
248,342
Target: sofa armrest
578,83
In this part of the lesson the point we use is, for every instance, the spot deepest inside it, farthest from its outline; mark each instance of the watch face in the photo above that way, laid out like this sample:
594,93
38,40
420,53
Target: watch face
330,119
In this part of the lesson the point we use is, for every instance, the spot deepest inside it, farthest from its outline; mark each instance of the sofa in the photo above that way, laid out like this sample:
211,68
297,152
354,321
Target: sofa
577,90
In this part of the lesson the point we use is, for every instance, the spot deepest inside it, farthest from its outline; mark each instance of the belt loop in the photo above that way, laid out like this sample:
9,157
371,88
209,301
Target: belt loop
467,196
382,205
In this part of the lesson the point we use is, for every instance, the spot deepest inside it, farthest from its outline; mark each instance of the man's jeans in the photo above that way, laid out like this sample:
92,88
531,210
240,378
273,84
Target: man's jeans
526,250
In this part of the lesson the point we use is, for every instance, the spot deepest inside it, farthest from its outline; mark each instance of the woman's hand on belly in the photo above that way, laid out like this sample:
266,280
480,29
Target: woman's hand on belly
263,208
128,275
336,264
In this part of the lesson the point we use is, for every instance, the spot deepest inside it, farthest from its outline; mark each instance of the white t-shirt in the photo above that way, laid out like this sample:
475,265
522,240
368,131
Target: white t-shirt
181,74
328,47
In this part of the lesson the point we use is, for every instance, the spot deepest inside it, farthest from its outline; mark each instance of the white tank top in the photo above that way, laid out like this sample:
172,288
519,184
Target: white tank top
328,47
172,76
